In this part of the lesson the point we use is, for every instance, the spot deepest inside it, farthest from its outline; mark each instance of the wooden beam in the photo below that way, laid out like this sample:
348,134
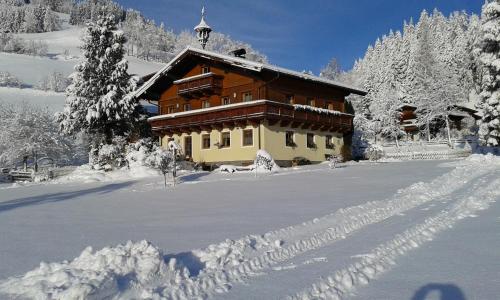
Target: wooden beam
217,127
206,128
285,123
296,124
229,124
316,126
253,122
241,123
306,125
196,129
272,122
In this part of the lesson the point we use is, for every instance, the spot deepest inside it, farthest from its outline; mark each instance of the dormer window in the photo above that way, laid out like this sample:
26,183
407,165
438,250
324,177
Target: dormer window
205,69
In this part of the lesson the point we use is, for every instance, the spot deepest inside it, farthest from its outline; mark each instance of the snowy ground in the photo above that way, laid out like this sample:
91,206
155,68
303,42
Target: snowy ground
366,231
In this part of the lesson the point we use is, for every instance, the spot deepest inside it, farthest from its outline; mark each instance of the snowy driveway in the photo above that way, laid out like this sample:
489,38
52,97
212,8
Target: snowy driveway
56,222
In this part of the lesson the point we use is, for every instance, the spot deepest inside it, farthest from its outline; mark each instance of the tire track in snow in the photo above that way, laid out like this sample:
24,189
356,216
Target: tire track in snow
328,229
340,284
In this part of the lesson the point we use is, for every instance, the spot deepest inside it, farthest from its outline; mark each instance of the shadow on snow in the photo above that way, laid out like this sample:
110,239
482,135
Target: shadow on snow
446,292
56,197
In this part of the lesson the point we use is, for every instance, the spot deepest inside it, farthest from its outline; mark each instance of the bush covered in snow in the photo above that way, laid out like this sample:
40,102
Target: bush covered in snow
55,82
12,44
264,162
9,80
374,152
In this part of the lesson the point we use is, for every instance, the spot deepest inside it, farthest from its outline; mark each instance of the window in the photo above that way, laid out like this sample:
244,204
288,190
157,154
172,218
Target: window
311,102
290,139
187,106
226,101
247,96
329,142
290,99
205,70
205,104
327,105
310,140
205,141
330,106
248,137
225,140
188,147
170,109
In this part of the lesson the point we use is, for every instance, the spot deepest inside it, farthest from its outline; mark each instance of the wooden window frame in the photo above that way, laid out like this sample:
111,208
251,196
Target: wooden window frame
188,106
243,94
329,142
203,136
222,145
203,103
205,69
290,99
311,102
224,99
313,144
171,109
292,144
243,137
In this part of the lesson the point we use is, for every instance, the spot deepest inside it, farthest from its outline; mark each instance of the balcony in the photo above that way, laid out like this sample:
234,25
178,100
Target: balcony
239,114
199,85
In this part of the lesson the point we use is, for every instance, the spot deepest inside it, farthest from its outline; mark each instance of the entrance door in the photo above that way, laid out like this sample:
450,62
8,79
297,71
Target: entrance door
188,147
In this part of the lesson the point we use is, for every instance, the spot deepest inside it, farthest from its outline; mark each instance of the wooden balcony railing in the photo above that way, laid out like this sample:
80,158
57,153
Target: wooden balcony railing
277,114
196,86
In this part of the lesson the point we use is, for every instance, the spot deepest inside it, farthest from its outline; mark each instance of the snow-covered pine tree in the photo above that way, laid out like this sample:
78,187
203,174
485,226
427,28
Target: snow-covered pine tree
98,100
332,70
50,21
488,53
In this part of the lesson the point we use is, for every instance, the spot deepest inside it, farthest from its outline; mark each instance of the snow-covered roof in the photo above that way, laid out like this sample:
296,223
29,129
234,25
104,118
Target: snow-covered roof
202,25
242,63
194,77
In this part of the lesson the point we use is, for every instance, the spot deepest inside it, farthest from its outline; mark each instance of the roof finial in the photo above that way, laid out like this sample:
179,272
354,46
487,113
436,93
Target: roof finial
203,30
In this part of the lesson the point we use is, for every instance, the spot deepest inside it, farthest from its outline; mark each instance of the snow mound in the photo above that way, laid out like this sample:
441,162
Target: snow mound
263,161
96,275
85,174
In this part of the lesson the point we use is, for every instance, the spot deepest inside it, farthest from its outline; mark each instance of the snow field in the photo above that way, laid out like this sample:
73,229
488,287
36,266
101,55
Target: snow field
233,261
342,283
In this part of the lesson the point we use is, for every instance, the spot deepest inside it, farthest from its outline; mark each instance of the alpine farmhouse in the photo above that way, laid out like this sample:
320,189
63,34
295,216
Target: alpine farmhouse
222,109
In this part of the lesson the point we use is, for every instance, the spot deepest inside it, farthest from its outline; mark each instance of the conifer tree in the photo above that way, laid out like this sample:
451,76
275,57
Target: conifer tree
98,100
488,53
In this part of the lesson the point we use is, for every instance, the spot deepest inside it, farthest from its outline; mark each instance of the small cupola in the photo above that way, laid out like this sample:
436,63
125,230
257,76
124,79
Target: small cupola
203,30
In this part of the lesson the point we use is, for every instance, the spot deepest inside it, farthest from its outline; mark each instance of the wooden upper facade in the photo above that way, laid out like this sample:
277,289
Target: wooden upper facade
199,79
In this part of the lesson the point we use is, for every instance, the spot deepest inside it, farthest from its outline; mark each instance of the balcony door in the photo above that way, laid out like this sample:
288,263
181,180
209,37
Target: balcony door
188,147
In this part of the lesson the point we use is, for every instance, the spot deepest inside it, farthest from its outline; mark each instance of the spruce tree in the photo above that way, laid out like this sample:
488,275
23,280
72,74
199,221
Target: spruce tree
488,53
98,100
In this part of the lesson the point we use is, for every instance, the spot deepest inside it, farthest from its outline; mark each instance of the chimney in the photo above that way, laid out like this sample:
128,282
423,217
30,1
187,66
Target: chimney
241,53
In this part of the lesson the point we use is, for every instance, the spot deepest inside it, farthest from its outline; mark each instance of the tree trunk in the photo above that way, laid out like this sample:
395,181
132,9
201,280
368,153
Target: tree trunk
428,131
448,131
397,142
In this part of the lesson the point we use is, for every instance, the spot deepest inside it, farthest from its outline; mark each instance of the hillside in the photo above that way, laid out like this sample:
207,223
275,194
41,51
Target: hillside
62,54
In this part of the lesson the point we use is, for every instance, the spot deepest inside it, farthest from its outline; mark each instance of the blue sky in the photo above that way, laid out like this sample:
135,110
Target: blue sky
299,34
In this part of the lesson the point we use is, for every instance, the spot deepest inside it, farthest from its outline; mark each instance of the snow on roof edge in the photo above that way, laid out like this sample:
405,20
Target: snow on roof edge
248,64
229,106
